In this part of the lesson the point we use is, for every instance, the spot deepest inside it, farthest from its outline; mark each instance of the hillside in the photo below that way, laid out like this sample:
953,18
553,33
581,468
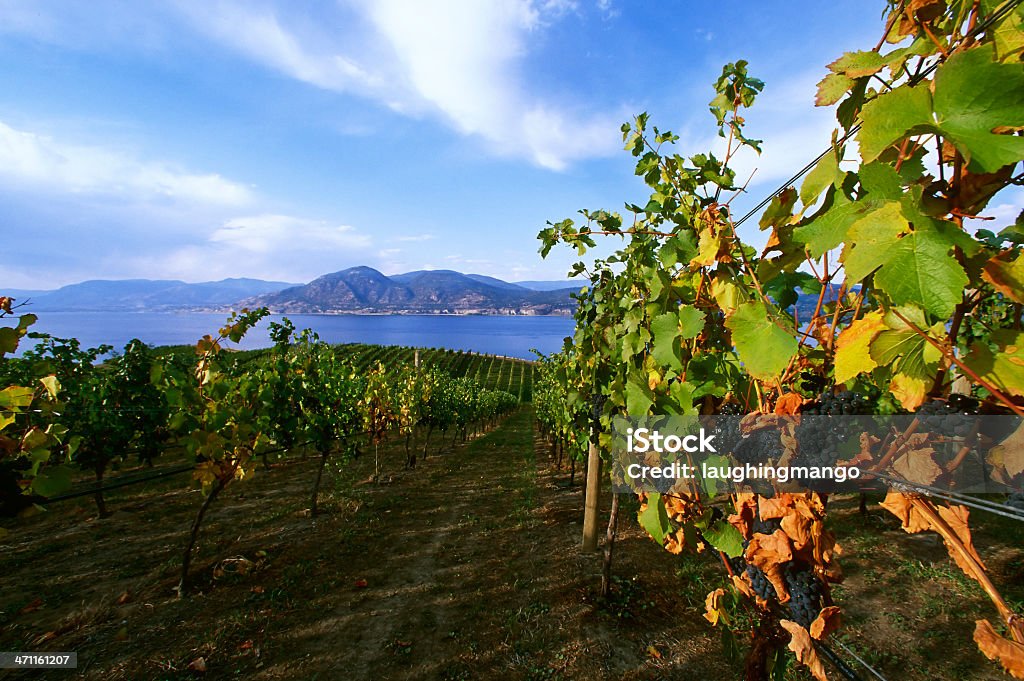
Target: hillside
365,290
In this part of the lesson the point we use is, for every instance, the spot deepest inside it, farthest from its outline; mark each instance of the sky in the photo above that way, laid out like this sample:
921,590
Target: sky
204,139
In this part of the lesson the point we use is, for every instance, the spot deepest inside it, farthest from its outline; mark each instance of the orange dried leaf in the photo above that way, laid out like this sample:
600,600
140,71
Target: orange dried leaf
803,647
1008,653
31,606
198,665
918,466
789,404
775,507
957,519
768,550
798,528
827,621
900,506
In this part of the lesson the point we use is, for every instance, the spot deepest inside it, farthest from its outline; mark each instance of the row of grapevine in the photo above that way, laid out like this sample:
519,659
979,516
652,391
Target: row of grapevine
64,410
917,309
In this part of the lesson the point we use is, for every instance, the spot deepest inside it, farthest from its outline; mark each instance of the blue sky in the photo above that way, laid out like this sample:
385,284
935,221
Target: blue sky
202,139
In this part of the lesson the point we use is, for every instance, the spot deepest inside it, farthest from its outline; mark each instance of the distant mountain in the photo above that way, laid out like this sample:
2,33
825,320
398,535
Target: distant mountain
550,285
365,290
151,295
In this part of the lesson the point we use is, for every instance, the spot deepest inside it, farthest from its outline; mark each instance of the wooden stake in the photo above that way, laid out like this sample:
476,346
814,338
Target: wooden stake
590,503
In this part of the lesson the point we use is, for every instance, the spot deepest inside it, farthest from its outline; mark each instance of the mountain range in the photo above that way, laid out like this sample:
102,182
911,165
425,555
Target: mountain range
365,290
355,290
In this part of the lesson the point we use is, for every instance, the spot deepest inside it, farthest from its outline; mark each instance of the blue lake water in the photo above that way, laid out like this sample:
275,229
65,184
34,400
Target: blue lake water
511,336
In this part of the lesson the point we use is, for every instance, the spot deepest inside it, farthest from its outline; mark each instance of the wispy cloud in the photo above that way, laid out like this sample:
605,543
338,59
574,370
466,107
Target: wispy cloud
276,234
458,60
42,161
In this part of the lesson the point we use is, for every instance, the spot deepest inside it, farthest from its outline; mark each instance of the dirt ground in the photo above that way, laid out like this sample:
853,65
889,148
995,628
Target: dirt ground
466,568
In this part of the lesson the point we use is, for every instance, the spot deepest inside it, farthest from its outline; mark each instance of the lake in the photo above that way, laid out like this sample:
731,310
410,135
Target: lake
511,336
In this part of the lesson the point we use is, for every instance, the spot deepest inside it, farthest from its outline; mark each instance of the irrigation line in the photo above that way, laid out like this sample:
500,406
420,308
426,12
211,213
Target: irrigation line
838,662
178,470
855,656
914,80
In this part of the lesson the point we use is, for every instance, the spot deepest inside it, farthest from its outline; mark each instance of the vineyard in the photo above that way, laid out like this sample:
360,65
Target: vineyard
363,511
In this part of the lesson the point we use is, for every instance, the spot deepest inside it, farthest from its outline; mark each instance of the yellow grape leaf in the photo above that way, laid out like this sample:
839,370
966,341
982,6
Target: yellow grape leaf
712,610
1003,368
726,294
1006,276
909,390
1008,653
707,249
853,354
52,386
803,647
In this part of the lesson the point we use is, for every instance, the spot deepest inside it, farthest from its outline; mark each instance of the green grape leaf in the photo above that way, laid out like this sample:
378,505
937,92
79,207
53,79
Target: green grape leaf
1003,368
665,350
654,518
827,230
52,480
639,396
725,538
975,95
825,173
764,347
914,267
976,101
890,117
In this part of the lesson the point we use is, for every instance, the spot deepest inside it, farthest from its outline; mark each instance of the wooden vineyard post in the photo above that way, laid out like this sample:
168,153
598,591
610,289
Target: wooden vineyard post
590,502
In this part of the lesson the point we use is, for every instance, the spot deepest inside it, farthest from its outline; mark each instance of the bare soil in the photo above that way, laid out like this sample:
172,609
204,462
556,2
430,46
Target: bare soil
467,567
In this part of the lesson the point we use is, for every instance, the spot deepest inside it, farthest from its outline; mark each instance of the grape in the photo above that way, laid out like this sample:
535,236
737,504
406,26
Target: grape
823,441
726,426
1016,501
805,594
759,447
947,418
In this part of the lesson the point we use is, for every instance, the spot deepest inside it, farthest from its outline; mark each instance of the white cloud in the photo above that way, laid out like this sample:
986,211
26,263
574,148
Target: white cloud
275,234
415,237
456,59
258,33
30,158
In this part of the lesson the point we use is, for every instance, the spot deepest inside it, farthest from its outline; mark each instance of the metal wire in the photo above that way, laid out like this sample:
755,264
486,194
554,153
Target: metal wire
953,497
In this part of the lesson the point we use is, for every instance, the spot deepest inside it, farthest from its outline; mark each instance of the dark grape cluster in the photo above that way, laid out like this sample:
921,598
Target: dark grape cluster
805,594
824,441
759,447
1016,500
726,426
948,417
845,403
806,590
597,403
